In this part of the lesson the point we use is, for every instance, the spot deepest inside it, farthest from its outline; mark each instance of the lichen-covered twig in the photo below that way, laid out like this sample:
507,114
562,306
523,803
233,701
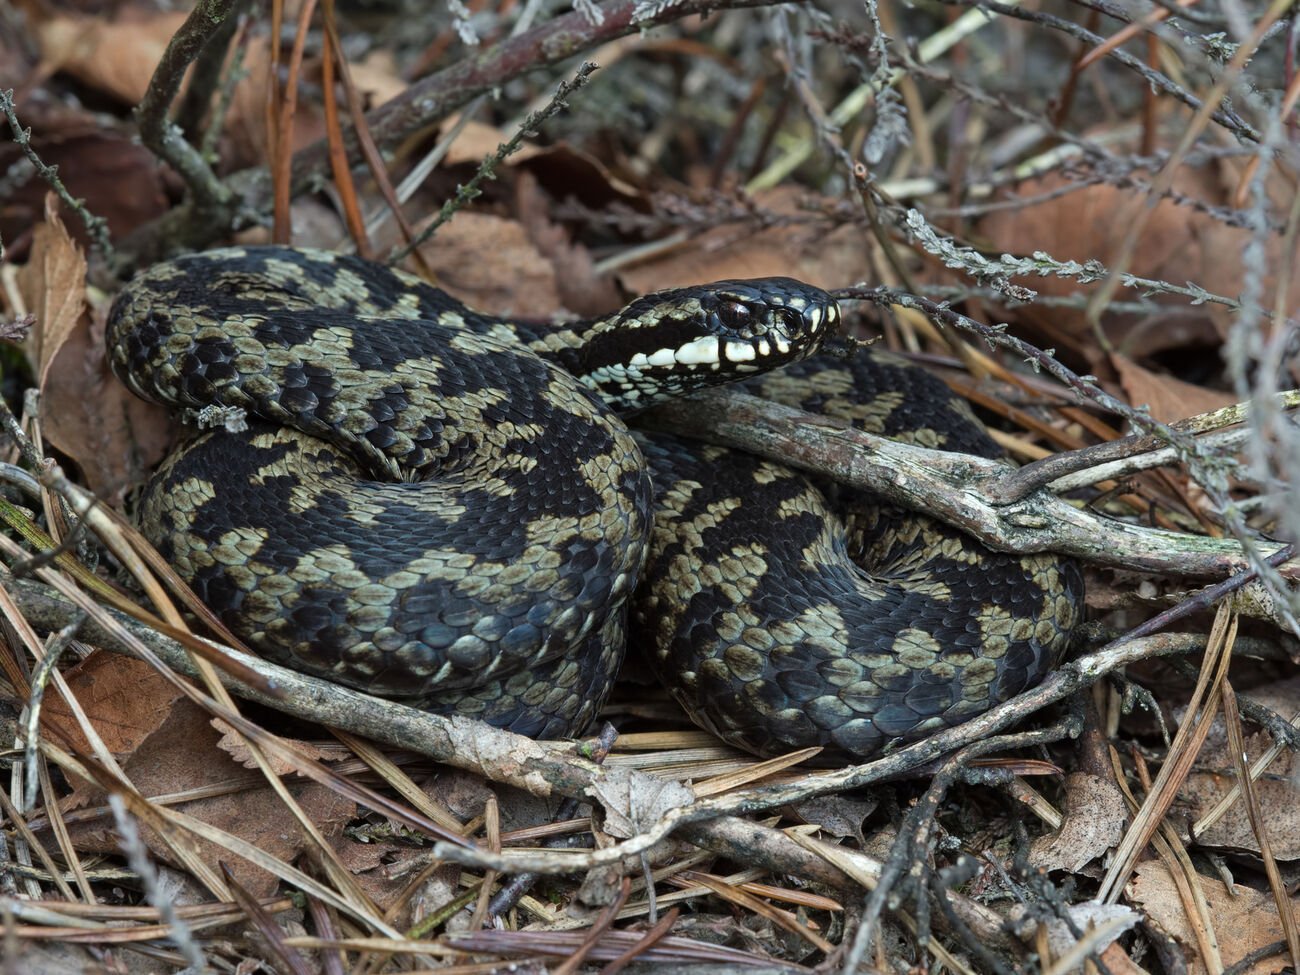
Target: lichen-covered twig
208,75
547,770
556,40
247,194
501,756
955,488
487,168
96,226
212,200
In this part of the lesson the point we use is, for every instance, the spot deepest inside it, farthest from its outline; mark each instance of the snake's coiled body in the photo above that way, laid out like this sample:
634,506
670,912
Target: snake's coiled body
784,611
441,506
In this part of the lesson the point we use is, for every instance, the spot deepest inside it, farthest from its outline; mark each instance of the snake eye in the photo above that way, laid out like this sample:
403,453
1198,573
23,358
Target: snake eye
734,314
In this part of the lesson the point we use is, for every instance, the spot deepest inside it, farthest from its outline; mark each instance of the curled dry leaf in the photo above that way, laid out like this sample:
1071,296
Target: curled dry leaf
86,413
1094,823
632,805
1278,806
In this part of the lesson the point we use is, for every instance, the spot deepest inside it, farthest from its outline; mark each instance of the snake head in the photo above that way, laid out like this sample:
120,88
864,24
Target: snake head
672,343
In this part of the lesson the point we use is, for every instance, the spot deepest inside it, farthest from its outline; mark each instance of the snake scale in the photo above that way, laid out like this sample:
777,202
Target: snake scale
445,507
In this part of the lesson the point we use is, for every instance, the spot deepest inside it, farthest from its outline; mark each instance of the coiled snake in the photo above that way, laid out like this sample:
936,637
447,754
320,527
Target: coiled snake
441,506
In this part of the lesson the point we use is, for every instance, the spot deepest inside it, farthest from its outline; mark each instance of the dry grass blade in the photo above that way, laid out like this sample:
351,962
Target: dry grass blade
897,119
338,152
1127,33
1230,797
401,782
1281,895
282,157
657,741
652,936
374,159
144,563
746,881
265,926
492,829
33,843
282,750
612,945
752,773
1169,848
1182,753
742,898
603,923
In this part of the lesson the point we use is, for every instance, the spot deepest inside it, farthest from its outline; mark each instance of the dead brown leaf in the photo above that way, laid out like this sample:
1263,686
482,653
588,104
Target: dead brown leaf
468,255
1214,777
837,816
85,412
798,251
1277,800
383,868
117,57
1244,919
1178,244
1168,398
125,699
182,755
582,288
53,286
103,165
377,77
630,804
234,745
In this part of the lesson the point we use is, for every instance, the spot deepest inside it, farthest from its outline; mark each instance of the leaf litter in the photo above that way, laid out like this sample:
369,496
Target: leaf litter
580,224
